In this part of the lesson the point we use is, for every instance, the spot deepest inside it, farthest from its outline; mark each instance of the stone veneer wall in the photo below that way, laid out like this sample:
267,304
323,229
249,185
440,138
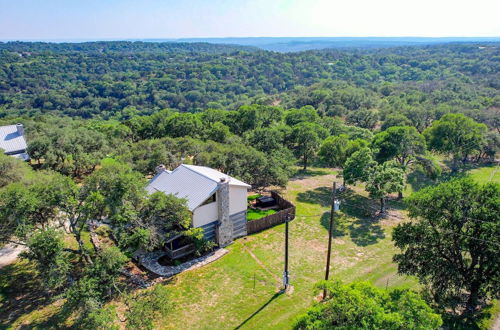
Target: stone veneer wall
225,228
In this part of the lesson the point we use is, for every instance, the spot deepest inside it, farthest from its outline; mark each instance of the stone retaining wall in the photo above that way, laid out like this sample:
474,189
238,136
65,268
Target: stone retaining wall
149,260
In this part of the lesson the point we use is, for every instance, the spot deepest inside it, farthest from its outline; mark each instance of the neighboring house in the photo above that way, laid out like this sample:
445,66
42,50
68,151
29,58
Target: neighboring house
12,141
217,201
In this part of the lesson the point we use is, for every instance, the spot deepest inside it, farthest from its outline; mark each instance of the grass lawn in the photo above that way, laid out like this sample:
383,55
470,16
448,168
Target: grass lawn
486,174
253,214
417,180
241,289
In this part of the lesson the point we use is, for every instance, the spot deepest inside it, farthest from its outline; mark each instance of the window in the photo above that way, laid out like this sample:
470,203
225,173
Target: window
210,199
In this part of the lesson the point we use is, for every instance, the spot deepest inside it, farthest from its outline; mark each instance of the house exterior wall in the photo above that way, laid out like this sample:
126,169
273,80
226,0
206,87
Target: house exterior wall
205,214
237,199
208,213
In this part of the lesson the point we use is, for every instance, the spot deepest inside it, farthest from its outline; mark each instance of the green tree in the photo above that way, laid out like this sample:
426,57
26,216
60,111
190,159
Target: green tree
182,124
11,170
268,139
385,179
121,188
335,150
159,217
307,141
99,319
38,148
361,305
217,132
457,135
46,250
146,307
305,114
144,156
363,118
98,283
252,166
402,143
396,119
359,166
34,205
420,117
450,244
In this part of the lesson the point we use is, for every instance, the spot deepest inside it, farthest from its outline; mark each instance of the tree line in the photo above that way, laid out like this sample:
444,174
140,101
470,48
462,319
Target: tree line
118,79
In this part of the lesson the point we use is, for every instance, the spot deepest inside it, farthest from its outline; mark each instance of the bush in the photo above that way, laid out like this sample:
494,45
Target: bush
360,305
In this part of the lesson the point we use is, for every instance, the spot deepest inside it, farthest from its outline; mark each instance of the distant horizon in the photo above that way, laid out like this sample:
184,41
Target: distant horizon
161,39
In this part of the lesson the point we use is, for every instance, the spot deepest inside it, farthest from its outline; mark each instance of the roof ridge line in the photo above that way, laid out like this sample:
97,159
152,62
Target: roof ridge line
203,175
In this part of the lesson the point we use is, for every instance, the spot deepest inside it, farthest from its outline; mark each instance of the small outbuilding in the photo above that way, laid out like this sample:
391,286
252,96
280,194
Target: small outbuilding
217,201
13,142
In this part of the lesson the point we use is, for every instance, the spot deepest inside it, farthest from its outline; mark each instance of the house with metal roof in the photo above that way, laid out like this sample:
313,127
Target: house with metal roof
217,201
13,142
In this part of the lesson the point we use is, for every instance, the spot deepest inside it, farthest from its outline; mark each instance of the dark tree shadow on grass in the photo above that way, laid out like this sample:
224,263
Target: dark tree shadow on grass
55,321
418,180
321,196
340,224
276,295
301,174
21,292
364,230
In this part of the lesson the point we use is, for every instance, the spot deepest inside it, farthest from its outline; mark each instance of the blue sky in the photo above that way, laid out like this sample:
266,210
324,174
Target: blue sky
120,19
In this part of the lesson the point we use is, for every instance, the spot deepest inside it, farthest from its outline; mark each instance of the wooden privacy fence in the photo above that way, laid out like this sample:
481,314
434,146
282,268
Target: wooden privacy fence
287,209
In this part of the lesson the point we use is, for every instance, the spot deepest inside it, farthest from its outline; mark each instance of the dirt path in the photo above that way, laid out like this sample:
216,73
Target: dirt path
9,254
496,324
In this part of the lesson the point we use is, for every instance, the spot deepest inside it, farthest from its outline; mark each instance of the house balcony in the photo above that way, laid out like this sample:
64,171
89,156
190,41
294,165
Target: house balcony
178,247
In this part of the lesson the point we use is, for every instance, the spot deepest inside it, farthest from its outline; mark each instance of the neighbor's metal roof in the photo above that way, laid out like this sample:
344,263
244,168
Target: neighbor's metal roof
194,183
11,140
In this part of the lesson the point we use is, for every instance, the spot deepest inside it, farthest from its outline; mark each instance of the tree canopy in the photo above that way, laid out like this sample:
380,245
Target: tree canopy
360,305
451,244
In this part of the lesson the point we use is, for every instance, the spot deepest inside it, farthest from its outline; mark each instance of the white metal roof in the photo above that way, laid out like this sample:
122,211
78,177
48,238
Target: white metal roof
194,183
215,175
11,140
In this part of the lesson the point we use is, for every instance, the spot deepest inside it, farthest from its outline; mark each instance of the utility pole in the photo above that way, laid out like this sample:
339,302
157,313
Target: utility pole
286,280
335,207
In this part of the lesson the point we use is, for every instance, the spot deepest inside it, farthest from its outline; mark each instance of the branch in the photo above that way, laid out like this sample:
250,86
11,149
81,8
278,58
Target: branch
71,250
16,242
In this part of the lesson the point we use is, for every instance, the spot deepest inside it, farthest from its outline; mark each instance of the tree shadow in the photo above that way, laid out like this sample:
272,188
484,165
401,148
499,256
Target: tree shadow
55,321
340,224
320,195
301,174
21,292
365,229
276,295
467,166
366,232
418,180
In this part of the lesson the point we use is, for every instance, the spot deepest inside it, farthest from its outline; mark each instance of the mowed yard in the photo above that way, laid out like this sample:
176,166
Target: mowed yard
241,290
